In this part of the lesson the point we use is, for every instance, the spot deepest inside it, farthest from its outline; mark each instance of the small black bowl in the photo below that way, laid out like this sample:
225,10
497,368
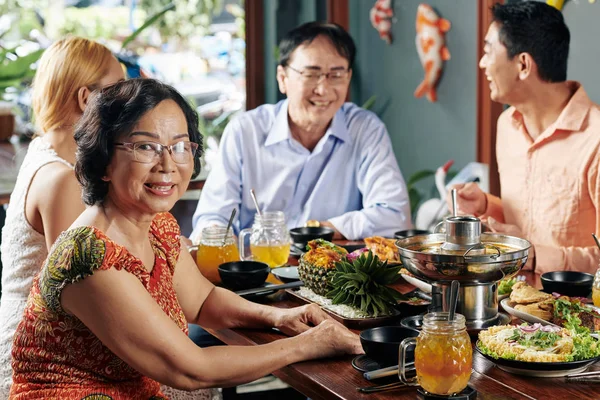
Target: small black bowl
568,283
410,232
301,236
240,275
414,323
382,343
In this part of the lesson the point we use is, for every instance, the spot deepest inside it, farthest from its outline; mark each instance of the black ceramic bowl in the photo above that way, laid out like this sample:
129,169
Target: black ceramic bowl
410,232
382,343
568,283
414,323
240,275
301,236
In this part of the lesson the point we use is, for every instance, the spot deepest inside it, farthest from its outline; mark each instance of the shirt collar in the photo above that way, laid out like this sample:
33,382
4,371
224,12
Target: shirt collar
280,131
572,116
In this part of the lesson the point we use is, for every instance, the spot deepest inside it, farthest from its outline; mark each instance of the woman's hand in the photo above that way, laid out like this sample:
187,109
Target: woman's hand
470,199
330,338
293,321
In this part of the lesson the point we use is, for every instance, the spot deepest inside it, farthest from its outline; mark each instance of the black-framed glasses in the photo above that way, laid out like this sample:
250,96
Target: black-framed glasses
313,77
147,152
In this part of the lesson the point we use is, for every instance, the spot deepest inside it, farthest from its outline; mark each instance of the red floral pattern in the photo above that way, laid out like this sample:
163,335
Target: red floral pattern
55,356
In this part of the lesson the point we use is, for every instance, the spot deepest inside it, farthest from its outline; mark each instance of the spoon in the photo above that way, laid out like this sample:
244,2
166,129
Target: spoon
255,202
453,299
229,225
454,207
596,240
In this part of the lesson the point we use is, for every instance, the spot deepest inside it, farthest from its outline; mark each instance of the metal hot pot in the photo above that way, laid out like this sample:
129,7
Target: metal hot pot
477,260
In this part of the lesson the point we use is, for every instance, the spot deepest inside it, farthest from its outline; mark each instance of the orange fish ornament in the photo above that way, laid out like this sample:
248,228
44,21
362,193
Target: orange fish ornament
381,18
432,49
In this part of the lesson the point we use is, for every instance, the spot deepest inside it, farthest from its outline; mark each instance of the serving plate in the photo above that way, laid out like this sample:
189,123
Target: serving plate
416,282
286,274
508,306
539,369
351,323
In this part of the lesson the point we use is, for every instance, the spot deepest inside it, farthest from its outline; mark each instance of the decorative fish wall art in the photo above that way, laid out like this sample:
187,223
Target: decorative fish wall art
381,18
431,46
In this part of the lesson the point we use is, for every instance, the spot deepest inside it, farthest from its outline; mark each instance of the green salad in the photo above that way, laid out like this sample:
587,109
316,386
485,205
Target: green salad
505,286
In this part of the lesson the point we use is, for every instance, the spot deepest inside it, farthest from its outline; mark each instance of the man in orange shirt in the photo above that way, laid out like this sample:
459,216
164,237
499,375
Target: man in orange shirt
548,142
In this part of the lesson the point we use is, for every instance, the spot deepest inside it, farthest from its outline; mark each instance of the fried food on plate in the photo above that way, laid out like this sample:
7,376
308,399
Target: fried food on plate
541,310
383,248
522,293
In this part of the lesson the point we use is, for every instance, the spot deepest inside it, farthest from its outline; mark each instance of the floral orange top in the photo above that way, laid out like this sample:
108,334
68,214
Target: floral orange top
55,356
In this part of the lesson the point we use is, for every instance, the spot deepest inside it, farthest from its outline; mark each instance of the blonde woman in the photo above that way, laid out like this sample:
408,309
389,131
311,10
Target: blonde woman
47,197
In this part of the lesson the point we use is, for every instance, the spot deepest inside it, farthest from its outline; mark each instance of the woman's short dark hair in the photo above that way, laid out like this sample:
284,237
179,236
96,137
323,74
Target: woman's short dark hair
112,112
538,29
306,33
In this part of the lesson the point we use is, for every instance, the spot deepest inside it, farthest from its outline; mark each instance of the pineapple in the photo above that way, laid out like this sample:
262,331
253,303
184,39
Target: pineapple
317,265
362,284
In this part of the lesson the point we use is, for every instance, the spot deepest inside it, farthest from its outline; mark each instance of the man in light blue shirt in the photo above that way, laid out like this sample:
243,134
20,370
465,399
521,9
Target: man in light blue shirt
311,156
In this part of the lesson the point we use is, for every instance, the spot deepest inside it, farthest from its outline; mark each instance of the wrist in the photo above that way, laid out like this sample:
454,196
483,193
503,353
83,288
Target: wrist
485,205
273,317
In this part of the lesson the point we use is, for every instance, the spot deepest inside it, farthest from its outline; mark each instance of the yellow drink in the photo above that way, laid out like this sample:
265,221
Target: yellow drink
443,362
275,256
596,296
209,258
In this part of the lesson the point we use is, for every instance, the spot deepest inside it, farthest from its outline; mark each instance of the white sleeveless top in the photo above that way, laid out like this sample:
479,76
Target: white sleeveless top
23,252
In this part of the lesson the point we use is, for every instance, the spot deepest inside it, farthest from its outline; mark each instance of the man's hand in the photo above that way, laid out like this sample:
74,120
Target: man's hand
293,321
512,230
470,199
336,235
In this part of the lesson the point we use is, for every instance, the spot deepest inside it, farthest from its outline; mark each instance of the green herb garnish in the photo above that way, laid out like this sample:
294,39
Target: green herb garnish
505,286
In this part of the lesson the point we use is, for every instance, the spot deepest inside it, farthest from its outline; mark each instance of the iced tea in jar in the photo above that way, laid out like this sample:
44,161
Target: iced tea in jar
443,355
269,239
213,250
596,289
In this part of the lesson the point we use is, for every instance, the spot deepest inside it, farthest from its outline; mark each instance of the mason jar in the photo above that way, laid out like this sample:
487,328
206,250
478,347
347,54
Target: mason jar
596,289
215,249
443,355
269,239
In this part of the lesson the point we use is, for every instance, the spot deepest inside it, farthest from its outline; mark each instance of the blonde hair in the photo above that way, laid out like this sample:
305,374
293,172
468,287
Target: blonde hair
66,66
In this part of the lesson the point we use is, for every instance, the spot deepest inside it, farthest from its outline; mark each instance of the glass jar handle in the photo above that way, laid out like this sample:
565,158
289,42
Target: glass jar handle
243,234
402,367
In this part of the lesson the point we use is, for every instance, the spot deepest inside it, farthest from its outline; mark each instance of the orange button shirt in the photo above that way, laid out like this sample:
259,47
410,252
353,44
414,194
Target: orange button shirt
550,186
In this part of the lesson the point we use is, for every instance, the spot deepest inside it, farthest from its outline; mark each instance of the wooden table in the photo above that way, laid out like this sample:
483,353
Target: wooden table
336,379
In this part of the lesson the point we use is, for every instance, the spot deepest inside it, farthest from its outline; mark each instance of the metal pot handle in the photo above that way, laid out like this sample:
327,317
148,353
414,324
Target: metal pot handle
481,246
435,230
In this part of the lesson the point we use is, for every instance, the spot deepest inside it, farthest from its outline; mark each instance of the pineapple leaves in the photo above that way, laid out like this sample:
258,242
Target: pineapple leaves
363,284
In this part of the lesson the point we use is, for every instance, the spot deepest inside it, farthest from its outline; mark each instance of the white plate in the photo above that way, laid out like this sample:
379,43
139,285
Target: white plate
540,369
286,274
424,286
508,306
502,296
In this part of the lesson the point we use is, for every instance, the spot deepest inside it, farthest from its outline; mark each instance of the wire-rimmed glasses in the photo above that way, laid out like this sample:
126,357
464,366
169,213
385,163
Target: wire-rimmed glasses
313,77
147,152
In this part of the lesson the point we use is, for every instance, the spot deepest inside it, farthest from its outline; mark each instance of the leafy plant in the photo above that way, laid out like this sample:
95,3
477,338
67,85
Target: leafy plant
363,284
190,17
214,127
153,19
16,71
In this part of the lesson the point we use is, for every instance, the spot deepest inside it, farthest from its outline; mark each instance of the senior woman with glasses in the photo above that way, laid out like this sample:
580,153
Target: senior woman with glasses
107,315
304,151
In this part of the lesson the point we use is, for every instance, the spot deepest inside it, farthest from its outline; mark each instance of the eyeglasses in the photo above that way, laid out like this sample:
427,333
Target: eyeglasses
314,77
147,152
